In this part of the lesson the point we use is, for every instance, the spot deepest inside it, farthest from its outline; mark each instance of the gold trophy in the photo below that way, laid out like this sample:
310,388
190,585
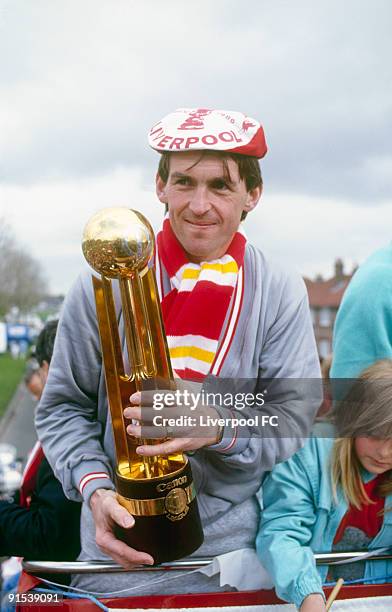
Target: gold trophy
158,491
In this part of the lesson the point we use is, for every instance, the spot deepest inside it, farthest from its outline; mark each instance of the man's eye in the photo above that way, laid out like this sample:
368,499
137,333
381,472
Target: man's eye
220,184
182,181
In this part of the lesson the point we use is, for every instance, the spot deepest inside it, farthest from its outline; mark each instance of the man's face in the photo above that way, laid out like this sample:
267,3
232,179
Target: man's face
35,385
205,203
38,380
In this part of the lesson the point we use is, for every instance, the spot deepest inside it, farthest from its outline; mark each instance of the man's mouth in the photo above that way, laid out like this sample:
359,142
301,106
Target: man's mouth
200,223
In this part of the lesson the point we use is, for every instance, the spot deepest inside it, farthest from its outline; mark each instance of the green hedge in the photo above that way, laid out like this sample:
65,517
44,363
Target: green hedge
11,372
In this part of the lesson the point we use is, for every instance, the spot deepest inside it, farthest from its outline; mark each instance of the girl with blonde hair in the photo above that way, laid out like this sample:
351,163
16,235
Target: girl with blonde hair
334,494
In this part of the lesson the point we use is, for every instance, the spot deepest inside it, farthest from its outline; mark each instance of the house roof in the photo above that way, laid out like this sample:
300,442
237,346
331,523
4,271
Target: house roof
327,293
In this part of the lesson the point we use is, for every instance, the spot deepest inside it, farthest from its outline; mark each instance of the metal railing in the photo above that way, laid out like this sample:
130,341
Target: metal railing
98,567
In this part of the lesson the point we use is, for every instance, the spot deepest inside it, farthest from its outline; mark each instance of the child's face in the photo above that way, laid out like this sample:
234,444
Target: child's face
375,454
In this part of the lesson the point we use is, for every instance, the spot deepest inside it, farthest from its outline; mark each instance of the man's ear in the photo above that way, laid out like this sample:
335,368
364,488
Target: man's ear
253,197
160,188
44,369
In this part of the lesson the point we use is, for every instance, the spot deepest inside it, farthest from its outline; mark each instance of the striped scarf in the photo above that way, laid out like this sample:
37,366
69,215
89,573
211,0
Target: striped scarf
195,309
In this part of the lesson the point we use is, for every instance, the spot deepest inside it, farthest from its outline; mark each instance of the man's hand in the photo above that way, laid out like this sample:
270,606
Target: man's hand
106,512
188,436
313,603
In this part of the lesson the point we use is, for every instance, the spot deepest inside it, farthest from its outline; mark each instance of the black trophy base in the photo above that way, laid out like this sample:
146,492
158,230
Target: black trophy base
162,540
167,521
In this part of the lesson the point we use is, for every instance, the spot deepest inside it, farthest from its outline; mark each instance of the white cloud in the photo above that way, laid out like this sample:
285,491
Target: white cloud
48,218
306,233
310,233
81,83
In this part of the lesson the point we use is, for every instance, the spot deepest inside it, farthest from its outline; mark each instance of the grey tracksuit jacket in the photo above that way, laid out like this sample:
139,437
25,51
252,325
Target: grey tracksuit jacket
273,340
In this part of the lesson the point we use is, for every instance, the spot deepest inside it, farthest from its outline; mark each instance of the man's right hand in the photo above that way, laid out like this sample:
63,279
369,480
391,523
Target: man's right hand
106,512
313,603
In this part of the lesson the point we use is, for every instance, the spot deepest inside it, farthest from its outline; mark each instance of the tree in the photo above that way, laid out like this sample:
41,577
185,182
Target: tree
22,282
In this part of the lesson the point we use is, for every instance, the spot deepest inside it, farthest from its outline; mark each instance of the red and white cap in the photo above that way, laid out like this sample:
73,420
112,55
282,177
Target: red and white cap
197,129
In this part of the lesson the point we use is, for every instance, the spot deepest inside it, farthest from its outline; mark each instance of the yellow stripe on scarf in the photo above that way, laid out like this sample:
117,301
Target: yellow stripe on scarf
191,273
192,351
227,268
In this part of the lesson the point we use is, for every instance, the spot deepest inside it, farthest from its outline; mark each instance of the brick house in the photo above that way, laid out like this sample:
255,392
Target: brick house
324,299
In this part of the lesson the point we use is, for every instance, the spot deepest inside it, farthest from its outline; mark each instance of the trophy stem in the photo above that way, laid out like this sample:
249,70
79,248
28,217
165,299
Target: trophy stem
140,348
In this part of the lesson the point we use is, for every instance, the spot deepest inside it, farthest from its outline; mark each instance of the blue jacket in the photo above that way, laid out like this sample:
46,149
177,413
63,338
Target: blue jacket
300,517
363,327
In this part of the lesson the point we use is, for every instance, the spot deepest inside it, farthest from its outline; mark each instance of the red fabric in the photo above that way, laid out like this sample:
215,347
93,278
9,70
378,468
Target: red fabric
367,518
30,475
199,600
29,480
234,329
27,582
189,312
257,147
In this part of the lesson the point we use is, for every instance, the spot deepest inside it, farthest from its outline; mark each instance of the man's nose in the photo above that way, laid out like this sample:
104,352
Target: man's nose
199,202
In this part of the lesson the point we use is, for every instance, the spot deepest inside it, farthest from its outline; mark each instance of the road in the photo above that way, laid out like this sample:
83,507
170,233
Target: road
17,425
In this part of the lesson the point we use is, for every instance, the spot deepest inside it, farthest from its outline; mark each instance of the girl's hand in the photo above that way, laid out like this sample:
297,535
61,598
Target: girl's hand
313,603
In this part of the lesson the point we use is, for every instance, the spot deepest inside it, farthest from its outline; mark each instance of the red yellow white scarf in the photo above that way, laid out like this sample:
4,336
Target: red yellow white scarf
195,309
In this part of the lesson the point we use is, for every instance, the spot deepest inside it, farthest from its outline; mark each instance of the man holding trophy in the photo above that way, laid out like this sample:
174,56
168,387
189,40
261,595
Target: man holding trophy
228,314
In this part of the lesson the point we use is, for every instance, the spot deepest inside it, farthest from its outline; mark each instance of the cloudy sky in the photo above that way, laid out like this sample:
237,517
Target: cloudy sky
82,81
